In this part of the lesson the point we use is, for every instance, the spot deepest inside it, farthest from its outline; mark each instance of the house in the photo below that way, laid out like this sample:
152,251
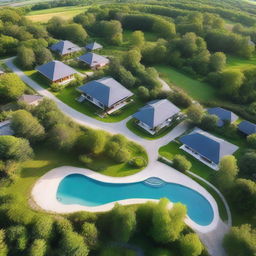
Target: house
32,100
5,128
1,72
206,148
247,127
105,93
65,47
94,60
93,46
57,72
156,115
223,115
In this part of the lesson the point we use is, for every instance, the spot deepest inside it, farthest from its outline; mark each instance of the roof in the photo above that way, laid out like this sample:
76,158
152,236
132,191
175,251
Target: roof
93,46
223,115
106,90
65,47
247,127
93,59
55,70
29,99
1,72
209,146
5,128
156,112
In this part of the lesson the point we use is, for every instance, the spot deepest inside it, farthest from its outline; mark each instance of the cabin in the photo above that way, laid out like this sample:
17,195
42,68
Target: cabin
156,115
223,115
206,148
106,93
65,47
93,60
57,72
32,100
247,127
93,46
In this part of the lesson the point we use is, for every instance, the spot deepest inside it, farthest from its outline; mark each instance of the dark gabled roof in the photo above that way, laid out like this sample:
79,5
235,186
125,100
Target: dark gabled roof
93,59
156,112
209,146
223,115
93,46
55,70
65,47
106,90
247,127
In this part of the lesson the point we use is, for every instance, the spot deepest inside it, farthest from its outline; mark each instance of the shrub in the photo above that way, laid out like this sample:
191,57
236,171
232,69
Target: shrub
90,234
122,156
191,245
251,139
181,163
3,246
85,159
42,228
38,248
55,87
138,162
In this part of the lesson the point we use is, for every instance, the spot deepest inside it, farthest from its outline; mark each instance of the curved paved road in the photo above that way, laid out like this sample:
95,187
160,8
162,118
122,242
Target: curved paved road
213,239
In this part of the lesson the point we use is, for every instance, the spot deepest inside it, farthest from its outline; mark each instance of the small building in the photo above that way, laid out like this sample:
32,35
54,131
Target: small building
106,93
65,47
93,46
156,115
247,127
1,72
223,115
57,72
94,60
32,100
5,128
206,148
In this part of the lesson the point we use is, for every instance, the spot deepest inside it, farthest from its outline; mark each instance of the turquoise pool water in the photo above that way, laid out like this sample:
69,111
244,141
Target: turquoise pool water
82,190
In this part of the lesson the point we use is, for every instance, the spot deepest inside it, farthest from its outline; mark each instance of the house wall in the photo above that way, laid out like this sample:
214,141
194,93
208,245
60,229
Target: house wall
64,79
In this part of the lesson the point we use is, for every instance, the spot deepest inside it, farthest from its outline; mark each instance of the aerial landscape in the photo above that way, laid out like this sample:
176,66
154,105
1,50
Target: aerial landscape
127,128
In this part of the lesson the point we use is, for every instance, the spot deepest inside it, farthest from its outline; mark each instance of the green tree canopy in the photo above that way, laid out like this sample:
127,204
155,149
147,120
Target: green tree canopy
191,245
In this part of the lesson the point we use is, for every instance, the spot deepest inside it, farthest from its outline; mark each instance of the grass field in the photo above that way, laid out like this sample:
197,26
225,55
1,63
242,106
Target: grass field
196,89
240,63
66,13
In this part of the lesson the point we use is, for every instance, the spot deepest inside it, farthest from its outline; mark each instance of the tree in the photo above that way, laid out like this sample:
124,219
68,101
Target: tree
123,223
90,234
251,139
191,245
244,196
195,113
217,61
164,28
26,126
143,92
74,32
247,163
3,245
122,155
17,238
240,241
38,248
231,81
180,98
8,44
42,228
43,56
63,136
181,163
167,224
209,122
26,57
111,30
137,39
72,244
12,148
227,173
132,60
11,87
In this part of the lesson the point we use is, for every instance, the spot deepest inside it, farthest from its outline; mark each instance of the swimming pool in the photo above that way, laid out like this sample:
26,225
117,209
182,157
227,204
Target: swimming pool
82,190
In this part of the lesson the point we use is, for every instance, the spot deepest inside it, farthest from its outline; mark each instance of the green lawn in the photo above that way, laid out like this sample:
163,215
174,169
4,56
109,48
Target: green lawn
196,89
132,126
240,63
168,151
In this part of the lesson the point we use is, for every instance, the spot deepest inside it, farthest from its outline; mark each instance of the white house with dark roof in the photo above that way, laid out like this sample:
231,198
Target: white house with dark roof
65,47
206,148
106,93
223,115
156,115
93,46
30,99
94,60
57,72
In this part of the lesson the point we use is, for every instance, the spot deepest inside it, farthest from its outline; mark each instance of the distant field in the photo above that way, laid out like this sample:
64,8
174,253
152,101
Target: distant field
195,88
66,12
240,63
